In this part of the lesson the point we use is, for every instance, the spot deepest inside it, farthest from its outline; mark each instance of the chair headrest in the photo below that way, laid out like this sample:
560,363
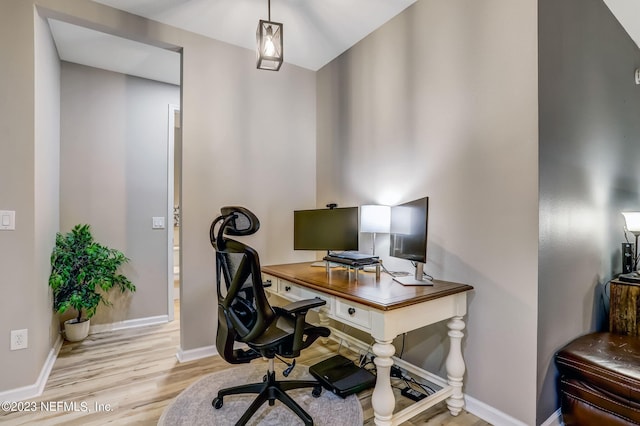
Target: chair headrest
241,221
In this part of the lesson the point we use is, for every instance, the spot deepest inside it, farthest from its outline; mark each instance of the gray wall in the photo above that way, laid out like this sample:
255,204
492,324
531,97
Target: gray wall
28,172
113,162
248,138
442,102
47,177
589,156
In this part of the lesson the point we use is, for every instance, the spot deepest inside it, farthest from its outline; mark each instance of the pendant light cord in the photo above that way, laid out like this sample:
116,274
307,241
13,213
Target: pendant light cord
269,6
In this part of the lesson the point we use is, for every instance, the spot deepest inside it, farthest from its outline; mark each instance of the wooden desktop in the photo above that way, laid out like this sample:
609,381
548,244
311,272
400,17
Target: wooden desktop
384,309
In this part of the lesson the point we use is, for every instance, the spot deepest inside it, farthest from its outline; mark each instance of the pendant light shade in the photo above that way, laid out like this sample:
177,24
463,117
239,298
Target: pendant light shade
270,44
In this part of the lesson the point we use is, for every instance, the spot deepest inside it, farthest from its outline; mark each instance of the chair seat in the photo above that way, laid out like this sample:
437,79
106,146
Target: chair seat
280,334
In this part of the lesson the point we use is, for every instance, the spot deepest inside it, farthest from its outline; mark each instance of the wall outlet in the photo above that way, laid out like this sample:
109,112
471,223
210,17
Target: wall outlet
19,339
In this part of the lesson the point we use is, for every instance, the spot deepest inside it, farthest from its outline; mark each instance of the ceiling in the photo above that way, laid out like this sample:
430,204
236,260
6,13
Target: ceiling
315,31
96,49
628,14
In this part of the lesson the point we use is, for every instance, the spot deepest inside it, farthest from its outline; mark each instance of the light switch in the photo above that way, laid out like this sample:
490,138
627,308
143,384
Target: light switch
157,223
7,220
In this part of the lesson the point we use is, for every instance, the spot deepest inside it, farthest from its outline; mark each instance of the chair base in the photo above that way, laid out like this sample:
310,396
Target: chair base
270,390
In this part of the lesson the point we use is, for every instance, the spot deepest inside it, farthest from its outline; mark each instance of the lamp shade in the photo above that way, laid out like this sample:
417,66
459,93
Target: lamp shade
375,218
632,221
270,46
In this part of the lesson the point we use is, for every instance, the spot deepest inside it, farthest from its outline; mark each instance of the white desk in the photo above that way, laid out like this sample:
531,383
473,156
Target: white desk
384,309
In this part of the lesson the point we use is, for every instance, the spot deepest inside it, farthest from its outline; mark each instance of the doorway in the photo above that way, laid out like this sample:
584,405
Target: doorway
174,162
122,133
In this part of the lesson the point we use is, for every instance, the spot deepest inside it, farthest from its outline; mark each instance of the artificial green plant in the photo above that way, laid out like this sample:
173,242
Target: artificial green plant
79,268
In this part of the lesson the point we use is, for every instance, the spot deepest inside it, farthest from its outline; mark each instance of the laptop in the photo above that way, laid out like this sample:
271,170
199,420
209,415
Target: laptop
353,255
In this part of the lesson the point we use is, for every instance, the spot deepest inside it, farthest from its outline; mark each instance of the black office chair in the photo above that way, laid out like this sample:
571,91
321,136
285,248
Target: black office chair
245,315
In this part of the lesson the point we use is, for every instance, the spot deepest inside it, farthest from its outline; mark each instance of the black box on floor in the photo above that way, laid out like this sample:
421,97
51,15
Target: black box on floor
341,376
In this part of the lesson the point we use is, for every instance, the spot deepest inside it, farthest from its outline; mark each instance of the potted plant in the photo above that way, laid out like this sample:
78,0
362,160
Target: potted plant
80,268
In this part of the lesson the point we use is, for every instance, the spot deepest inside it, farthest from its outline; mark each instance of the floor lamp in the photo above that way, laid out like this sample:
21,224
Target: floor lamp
375,219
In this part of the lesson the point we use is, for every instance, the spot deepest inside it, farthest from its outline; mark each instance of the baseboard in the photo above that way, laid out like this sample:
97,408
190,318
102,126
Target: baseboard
36,389
195,354
472,405
554,419
133,323
489,414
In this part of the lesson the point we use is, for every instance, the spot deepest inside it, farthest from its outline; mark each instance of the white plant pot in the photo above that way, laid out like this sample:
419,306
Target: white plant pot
76,331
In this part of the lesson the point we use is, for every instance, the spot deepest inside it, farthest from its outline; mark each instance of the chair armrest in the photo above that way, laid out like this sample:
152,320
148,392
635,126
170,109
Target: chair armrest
302,306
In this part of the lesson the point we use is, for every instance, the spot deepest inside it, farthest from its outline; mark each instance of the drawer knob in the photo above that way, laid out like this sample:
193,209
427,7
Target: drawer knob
287,288
351,311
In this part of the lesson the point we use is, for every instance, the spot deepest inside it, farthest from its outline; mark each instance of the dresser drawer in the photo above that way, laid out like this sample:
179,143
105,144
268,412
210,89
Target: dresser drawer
353,313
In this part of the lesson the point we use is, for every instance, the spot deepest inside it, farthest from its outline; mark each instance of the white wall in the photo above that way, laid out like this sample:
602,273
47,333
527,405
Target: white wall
114,176
442,102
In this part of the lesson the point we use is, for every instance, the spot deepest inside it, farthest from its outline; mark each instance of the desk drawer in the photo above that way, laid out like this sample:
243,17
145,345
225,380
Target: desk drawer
273,288
311,294
353,313
289,291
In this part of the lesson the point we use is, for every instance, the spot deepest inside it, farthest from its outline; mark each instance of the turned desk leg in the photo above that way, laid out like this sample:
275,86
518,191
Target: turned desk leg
455,365
382,399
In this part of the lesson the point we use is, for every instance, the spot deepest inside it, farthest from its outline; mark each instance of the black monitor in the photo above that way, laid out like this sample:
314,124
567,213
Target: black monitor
326,229
409,237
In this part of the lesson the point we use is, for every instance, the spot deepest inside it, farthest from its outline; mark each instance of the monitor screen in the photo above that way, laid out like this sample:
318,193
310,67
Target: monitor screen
409,230
326,229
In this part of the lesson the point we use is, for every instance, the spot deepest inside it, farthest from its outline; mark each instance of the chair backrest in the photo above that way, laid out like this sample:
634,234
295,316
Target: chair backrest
244,312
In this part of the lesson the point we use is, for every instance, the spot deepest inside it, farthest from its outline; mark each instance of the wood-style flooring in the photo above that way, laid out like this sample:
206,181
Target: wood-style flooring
129,376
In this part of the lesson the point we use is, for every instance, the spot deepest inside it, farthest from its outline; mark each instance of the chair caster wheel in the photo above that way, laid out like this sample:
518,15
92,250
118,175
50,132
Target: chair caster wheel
317,390
217,403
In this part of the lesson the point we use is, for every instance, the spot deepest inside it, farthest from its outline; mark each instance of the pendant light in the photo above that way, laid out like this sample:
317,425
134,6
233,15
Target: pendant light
269,40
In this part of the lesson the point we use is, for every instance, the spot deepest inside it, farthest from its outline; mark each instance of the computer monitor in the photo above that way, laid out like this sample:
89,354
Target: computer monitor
326,229
409,223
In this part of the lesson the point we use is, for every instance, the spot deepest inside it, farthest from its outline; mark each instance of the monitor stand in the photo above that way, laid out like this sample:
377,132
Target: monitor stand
417,279
324,263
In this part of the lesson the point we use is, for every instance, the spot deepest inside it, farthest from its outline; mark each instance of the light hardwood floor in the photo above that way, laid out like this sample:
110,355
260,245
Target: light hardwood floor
129,377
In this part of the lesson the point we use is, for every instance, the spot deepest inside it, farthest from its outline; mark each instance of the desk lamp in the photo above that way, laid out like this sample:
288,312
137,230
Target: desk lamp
375,219
632,224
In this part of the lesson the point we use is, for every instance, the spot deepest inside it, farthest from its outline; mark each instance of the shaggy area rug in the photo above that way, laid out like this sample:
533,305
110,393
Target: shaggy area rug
193,406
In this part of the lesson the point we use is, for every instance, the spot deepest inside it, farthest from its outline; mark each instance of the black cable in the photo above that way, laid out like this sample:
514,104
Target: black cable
415,265
410,380
372,369
404,335
367,352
